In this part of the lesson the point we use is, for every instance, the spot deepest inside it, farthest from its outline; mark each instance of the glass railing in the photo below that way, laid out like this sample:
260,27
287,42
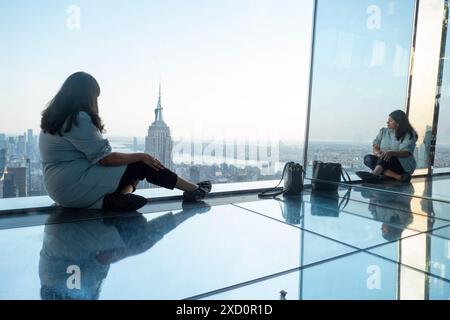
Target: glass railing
156,194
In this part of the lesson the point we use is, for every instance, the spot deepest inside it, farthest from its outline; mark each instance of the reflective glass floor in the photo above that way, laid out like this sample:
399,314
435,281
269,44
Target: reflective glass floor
357,243
436,188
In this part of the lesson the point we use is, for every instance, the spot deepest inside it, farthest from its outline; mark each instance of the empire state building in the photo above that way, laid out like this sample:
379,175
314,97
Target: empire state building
158,142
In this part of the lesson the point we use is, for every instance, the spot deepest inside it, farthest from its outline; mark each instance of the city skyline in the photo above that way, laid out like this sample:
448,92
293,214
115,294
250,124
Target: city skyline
21,169
21,172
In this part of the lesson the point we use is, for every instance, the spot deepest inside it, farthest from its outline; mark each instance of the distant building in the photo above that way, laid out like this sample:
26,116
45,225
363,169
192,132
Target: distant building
2,169
37,187
28,181
2,141
15,182
194,174
21,145
11,146
2,160
158,142
30,144
10,189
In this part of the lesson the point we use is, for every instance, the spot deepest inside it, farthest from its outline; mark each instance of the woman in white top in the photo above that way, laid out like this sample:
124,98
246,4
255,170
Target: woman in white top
393,151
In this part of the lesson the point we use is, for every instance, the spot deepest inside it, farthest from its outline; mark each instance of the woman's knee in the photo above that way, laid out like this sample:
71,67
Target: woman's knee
383,163
370,161
139,166
143,167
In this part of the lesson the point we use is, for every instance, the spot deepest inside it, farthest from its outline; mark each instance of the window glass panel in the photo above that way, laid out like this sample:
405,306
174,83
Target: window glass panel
360,75
442,155
230,79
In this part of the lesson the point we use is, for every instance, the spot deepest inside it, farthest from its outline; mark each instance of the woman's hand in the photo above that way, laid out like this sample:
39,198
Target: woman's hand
152,162
377,151
387,155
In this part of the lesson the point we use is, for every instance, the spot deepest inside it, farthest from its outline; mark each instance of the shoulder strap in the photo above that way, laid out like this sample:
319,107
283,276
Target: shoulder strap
269,193
346,179
345,200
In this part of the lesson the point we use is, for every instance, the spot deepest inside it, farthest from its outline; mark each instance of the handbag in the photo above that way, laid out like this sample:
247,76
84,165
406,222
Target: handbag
326,176
292,175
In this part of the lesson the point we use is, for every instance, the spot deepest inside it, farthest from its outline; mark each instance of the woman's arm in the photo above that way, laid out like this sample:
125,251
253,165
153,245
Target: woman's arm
377,150
119,159
399,154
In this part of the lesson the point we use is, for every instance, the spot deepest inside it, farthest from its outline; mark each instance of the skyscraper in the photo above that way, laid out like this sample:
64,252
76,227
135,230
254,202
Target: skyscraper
2,161
30,143
28,172
2,169
2,140
9,187
16,182
11,148
21,145
158,142
194,173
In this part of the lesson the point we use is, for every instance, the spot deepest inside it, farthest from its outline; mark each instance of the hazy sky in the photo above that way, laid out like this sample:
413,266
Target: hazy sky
228,68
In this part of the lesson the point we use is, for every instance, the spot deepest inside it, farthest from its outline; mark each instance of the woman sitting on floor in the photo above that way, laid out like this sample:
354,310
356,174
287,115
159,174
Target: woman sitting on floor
393,151
80,169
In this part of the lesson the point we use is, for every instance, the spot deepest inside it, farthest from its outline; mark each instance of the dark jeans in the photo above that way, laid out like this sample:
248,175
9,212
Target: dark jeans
393,164
139,171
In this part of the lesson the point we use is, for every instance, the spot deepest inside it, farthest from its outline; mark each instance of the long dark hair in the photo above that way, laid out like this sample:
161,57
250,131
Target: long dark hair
403,125
78,93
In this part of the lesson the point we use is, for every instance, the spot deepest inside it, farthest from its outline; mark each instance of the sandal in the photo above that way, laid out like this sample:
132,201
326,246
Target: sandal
200,193
205,184
369,176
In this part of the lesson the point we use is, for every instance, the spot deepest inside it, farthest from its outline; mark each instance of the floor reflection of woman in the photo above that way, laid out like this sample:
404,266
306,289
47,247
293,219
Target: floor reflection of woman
90,247
392,210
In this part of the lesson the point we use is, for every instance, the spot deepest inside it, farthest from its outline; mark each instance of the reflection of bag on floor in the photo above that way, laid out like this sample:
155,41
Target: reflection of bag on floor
329,203
327,175
291,209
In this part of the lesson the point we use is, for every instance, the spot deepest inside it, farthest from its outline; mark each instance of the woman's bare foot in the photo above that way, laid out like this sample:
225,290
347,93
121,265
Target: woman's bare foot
127,189
185,185
393,175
